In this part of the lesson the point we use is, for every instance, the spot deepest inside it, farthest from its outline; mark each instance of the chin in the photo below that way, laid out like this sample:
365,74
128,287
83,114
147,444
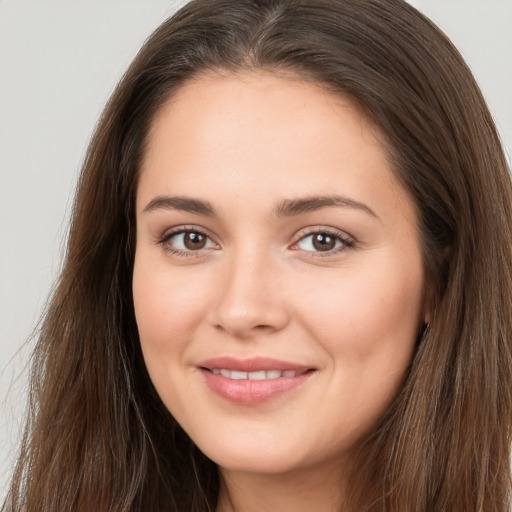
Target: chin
256,463
263,453
251,454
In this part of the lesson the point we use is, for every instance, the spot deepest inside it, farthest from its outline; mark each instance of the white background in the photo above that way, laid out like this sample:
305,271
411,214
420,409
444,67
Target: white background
59,62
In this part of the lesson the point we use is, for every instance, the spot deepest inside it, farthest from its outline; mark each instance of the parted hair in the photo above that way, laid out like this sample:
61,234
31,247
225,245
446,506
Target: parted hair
98,438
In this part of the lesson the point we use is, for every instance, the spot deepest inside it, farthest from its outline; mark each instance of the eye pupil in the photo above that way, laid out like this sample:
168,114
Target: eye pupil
323,242
194,241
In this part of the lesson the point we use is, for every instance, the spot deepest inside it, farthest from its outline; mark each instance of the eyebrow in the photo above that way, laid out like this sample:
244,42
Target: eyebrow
286,208
291,207
186,204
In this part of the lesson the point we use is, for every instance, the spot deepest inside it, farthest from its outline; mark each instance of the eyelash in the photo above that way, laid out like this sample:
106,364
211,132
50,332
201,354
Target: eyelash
179,231
346,242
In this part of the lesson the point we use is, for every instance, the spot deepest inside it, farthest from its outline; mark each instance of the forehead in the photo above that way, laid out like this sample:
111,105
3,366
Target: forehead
245,97
272,134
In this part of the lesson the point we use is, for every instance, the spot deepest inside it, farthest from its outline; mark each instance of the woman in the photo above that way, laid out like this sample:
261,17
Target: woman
288,277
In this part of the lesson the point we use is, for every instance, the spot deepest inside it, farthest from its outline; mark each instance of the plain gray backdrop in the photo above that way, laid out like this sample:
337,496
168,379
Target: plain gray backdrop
59,62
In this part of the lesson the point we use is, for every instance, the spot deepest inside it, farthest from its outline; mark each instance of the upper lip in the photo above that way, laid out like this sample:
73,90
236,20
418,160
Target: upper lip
252,364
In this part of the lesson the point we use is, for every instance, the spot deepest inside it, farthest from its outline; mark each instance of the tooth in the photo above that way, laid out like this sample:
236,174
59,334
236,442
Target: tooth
259,375
256,375
238,375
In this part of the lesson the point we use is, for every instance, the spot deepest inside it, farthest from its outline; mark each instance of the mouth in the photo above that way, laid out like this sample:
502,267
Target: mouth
255,375
253,381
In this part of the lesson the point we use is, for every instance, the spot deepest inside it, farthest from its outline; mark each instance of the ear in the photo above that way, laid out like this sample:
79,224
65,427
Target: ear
428,303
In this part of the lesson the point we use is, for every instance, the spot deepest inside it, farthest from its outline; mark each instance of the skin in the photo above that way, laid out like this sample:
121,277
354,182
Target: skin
259,287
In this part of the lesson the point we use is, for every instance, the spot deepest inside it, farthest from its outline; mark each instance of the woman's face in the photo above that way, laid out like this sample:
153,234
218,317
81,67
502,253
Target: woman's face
278,282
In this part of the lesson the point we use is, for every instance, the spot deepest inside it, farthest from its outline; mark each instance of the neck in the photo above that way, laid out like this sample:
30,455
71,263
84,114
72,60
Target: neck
297,491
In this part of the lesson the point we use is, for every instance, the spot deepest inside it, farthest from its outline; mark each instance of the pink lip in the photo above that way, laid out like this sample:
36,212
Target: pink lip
252,392
252,364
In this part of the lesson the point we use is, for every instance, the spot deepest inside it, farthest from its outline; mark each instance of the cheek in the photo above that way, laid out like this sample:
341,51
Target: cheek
368,320
167,308
367,325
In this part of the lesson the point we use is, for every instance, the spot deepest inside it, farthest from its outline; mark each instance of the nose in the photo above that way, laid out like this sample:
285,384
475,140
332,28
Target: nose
251,298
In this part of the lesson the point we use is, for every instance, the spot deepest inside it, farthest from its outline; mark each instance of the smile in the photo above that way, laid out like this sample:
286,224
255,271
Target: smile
253,381
256,375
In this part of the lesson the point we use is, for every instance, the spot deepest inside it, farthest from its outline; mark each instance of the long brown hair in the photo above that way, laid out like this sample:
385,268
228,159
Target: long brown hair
98,438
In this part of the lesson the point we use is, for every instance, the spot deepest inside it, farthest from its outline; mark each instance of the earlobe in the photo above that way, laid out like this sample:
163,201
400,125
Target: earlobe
428,304
427,317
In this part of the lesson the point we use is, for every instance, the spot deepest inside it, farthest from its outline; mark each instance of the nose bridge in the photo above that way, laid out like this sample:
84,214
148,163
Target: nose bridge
249,297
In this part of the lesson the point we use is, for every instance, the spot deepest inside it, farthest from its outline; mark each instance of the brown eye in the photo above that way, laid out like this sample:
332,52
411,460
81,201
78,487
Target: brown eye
187,242
323,242
194,241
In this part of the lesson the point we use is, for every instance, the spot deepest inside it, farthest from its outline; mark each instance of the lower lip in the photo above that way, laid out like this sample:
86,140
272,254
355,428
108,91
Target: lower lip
252,392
